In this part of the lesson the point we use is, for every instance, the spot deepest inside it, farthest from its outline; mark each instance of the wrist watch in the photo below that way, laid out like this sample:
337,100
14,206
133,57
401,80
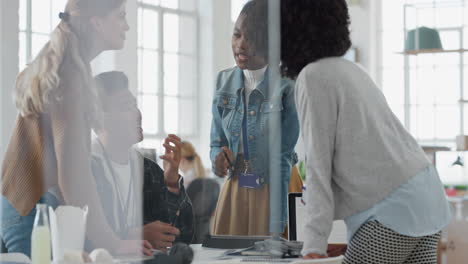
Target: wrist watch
177,185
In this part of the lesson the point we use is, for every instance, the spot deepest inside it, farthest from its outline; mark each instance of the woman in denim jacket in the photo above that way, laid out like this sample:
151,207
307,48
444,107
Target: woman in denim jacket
244,102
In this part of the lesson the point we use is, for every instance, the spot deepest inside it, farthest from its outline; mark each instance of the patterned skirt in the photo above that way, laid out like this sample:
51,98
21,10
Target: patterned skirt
375,243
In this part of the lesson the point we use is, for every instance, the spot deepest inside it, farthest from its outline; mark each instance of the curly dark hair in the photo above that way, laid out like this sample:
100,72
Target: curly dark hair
312,30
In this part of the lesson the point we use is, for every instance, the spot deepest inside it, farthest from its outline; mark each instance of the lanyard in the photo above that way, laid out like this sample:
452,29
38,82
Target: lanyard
123,212
244,131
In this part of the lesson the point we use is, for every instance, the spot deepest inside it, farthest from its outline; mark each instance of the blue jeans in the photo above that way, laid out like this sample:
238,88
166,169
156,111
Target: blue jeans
17,229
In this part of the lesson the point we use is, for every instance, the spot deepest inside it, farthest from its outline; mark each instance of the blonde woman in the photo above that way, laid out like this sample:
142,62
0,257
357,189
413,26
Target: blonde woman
191,164
48,157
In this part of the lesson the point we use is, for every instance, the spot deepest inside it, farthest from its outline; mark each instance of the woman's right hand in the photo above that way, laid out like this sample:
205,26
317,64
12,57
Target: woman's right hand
221,162
133,247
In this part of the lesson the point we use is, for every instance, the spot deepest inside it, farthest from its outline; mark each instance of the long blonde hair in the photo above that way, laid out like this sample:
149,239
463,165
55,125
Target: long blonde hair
189,153
40,82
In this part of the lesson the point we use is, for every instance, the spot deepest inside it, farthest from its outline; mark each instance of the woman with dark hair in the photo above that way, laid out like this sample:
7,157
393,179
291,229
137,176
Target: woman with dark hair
243,104
362,165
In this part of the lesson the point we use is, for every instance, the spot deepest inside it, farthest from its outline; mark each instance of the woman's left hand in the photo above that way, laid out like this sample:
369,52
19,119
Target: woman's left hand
313,256
172,157
333,250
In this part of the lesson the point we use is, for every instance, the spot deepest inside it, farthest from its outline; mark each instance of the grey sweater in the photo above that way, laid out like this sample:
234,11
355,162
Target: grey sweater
357,151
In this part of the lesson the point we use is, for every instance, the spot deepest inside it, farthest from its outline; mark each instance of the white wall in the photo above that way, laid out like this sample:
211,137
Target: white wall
8,69
364,24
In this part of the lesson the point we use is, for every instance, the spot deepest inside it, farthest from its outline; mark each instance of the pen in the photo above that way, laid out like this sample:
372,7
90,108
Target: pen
175,218
230,162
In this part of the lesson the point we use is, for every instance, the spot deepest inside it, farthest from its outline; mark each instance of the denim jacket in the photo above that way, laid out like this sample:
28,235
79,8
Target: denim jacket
226,127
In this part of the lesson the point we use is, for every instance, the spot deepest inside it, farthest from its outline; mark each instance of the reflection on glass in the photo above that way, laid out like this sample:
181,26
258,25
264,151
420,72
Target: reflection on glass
171,32
123,173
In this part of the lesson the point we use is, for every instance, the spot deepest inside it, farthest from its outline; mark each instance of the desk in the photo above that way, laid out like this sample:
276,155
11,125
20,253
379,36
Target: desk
211,256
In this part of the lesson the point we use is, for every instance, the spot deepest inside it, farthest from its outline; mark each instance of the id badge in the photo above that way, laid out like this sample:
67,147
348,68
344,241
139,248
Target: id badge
249,180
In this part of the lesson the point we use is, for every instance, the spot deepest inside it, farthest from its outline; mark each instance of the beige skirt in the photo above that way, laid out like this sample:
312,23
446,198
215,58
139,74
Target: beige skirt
242,211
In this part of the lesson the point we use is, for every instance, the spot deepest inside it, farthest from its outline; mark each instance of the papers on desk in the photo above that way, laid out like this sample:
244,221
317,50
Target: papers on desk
215,256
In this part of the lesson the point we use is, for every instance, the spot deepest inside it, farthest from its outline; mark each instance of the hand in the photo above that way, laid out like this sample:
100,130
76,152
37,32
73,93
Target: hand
160,235
335,250
221,163
172,157
313,256
133,247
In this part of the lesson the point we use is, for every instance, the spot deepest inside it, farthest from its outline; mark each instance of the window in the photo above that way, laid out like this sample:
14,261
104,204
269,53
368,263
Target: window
430,105
37,19
167,68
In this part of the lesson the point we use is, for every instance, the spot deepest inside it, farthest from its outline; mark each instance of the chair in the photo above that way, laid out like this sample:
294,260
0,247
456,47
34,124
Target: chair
2,246
204,194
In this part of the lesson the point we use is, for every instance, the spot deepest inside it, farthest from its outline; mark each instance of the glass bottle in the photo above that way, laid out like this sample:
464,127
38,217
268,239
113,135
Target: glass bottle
40,238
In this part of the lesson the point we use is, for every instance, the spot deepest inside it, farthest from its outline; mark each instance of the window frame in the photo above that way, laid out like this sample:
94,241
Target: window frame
160,93
409,105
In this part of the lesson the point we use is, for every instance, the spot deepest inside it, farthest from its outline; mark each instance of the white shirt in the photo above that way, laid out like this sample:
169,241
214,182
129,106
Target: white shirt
123,174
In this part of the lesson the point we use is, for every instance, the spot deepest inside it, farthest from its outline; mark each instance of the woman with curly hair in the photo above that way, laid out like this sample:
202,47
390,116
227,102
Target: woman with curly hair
362,164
